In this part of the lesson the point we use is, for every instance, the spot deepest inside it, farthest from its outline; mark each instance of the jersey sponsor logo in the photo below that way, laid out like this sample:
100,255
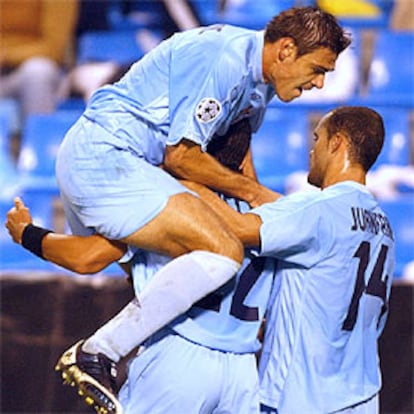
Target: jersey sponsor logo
208,109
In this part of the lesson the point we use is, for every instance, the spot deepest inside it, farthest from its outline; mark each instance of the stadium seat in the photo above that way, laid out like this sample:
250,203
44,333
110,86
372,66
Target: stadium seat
72,104
244,13
41,137
280,147
390,77
119,46
5,136
396,150
207,11
400,213
138,14
253,14
8,174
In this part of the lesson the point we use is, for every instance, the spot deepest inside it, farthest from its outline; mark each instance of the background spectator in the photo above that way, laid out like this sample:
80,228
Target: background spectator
35,39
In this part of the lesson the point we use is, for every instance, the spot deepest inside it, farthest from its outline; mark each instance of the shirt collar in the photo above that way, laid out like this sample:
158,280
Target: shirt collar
350,183
257,64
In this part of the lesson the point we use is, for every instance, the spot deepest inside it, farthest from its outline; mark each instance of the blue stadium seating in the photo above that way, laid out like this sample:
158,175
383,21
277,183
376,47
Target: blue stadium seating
72,104
119,46
400,212
397,142
280,147
41,137
251,14
8,173
139,14
390,78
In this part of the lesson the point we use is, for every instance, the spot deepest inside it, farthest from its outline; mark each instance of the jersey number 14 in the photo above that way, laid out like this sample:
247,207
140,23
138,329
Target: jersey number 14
376,285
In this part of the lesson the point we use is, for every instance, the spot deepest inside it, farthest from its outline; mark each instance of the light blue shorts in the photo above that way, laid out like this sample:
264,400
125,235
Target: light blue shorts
176,376
107,189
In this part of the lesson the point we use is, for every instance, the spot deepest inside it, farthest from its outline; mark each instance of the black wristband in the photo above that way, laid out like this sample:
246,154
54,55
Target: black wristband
32,239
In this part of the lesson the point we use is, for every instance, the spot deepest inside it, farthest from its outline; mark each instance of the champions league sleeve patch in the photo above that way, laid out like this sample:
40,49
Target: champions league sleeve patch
208,109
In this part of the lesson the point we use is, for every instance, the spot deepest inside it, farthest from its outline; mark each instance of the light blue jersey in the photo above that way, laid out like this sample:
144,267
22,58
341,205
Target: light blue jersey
329,302
193,85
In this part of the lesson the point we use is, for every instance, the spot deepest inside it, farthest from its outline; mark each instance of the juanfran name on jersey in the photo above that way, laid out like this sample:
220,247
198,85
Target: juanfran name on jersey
369,221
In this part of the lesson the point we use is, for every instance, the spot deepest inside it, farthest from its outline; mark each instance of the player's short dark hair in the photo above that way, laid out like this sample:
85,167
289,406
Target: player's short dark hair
231,148
310,28
364,129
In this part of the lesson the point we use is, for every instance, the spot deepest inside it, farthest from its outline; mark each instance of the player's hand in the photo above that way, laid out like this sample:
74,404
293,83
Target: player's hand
263,195
18,218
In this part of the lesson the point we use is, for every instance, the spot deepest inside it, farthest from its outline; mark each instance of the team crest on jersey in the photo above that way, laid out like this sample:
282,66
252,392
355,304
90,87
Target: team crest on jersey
208,109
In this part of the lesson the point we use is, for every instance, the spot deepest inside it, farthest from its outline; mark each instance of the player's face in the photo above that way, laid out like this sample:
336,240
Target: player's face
290,76
319,155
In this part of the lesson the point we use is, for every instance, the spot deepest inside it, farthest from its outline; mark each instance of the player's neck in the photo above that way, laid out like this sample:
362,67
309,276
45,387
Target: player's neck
351,173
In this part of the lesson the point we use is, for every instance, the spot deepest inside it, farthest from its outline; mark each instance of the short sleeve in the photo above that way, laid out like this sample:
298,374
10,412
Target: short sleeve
295,229
206,77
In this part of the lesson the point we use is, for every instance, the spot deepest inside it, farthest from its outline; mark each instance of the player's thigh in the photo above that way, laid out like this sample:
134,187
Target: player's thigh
172,376
187,224
123,197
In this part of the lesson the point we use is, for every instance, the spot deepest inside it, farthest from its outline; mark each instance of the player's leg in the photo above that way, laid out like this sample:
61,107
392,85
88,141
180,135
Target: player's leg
209,255
150,209
184,226
171,292
153,202
175,376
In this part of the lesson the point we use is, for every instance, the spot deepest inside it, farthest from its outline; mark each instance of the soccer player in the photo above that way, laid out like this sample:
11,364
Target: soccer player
166,109
336,260
205,361
215,340
335,253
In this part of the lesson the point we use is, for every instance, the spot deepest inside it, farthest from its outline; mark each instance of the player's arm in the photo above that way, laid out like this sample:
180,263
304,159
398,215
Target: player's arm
247,166
186,160
245,226
81,254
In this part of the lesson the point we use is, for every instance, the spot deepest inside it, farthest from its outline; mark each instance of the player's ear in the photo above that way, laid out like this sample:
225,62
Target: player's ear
287,49
336,141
